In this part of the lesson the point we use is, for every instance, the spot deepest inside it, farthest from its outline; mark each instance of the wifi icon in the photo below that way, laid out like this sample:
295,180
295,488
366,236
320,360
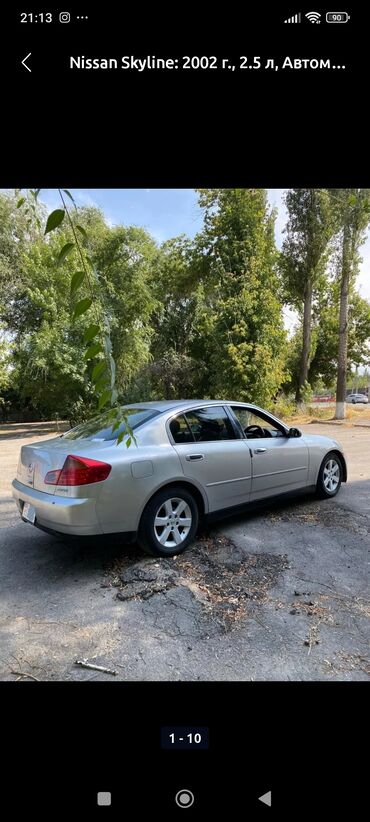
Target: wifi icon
313,16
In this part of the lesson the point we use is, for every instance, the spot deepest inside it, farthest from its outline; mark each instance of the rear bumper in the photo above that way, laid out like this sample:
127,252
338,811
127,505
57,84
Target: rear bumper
66,516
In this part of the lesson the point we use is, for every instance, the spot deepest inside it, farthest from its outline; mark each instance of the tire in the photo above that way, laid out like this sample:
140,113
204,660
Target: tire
173,536
330,476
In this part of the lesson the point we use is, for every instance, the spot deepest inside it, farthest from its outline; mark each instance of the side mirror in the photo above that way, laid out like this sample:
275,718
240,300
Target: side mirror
294,432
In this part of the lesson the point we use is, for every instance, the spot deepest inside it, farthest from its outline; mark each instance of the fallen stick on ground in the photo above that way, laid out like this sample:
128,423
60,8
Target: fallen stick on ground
85,664
20,675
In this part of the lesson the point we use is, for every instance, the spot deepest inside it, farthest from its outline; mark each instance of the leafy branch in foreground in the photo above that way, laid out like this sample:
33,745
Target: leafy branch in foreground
97,334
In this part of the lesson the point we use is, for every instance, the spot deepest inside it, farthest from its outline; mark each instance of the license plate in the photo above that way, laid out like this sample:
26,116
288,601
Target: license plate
29,512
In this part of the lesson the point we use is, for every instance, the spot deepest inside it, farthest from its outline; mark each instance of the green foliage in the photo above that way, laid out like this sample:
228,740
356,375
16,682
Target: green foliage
97,371
81,307
95,315
306,393
93,351
325,359
54,220
174,375
283,407
82,231
67,248
303,264
103,399
5,371
311,227
50,372
16,234
68,193
91,331
76,281
239,331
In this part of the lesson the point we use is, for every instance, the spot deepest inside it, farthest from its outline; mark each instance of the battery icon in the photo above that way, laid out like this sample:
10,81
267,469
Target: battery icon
337,17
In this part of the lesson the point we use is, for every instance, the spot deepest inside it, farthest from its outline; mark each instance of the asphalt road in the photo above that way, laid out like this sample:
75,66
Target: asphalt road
281,594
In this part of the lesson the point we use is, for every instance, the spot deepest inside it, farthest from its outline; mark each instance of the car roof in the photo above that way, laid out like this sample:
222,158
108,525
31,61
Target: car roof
168,405
181,406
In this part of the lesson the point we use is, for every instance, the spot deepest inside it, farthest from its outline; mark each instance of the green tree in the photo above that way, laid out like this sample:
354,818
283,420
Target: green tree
239,330
311,226
5,372
324,363
16,233
174,372
124,257
353,212
50,350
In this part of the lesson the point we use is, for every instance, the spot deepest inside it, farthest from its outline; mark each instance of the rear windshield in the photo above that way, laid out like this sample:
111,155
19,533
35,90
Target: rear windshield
100,428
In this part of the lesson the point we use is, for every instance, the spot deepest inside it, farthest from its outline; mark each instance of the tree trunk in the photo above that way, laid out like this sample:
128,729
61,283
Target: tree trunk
306,343
340,410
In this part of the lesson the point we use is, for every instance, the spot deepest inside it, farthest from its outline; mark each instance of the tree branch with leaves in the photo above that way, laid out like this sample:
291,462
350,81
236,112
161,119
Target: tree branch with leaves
97,334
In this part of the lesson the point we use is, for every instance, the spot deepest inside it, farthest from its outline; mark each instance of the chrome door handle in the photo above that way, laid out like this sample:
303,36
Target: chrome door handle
192,457
260,450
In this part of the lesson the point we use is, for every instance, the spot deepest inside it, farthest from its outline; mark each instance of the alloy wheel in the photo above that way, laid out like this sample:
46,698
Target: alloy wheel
172,522
331,475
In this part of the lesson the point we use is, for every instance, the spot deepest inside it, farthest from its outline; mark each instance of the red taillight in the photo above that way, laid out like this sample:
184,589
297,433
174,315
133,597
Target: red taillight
78,471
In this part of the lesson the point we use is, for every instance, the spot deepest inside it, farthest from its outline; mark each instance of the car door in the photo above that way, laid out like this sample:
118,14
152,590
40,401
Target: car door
279,463
213,452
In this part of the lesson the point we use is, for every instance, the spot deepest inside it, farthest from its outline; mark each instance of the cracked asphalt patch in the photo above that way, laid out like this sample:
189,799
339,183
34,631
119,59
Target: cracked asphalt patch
277,594
220,577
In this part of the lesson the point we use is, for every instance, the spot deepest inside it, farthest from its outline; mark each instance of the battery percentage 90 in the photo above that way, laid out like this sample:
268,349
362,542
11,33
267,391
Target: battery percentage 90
337,17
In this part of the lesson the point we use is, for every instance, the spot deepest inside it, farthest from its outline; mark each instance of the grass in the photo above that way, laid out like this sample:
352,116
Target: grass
311,413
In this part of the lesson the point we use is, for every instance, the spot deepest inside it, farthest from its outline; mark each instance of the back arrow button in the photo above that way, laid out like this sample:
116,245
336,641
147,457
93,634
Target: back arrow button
266,798
24,61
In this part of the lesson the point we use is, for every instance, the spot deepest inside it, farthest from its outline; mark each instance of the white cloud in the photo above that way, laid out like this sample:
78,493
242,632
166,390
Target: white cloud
85,199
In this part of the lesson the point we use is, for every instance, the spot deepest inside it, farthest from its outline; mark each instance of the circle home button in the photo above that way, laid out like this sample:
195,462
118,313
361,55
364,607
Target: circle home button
184,798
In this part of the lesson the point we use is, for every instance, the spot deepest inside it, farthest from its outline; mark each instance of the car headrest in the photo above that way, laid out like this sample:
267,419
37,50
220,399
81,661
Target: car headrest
211,425
174,427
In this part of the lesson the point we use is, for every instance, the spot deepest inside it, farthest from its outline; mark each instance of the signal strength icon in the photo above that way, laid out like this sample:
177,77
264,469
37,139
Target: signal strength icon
295,19
313,16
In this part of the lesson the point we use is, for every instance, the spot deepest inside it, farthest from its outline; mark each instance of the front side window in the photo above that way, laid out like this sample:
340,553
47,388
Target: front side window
255,426
210,424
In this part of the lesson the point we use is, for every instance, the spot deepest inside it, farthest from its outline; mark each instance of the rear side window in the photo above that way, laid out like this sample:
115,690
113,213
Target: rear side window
210,424
101,428
180,430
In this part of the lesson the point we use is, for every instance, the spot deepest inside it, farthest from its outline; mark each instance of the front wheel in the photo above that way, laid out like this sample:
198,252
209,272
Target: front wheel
169,522
330,476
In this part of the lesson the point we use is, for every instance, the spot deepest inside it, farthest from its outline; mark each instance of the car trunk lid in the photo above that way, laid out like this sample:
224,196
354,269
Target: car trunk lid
37,460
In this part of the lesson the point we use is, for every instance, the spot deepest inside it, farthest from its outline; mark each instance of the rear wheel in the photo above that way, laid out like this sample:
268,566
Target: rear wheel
330,476
169,522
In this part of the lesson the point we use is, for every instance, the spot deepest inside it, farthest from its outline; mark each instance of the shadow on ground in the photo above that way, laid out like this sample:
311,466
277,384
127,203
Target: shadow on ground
276,594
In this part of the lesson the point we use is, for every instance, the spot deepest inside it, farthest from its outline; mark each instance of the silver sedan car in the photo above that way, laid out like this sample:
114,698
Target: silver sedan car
355,398
192,459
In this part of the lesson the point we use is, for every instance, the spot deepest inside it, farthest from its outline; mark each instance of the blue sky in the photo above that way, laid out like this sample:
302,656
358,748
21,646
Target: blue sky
169,212
164,212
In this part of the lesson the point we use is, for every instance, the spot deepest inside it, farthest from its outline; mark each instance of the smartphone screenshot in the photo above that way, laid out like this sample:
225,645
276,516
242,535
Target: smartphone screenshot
184,411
